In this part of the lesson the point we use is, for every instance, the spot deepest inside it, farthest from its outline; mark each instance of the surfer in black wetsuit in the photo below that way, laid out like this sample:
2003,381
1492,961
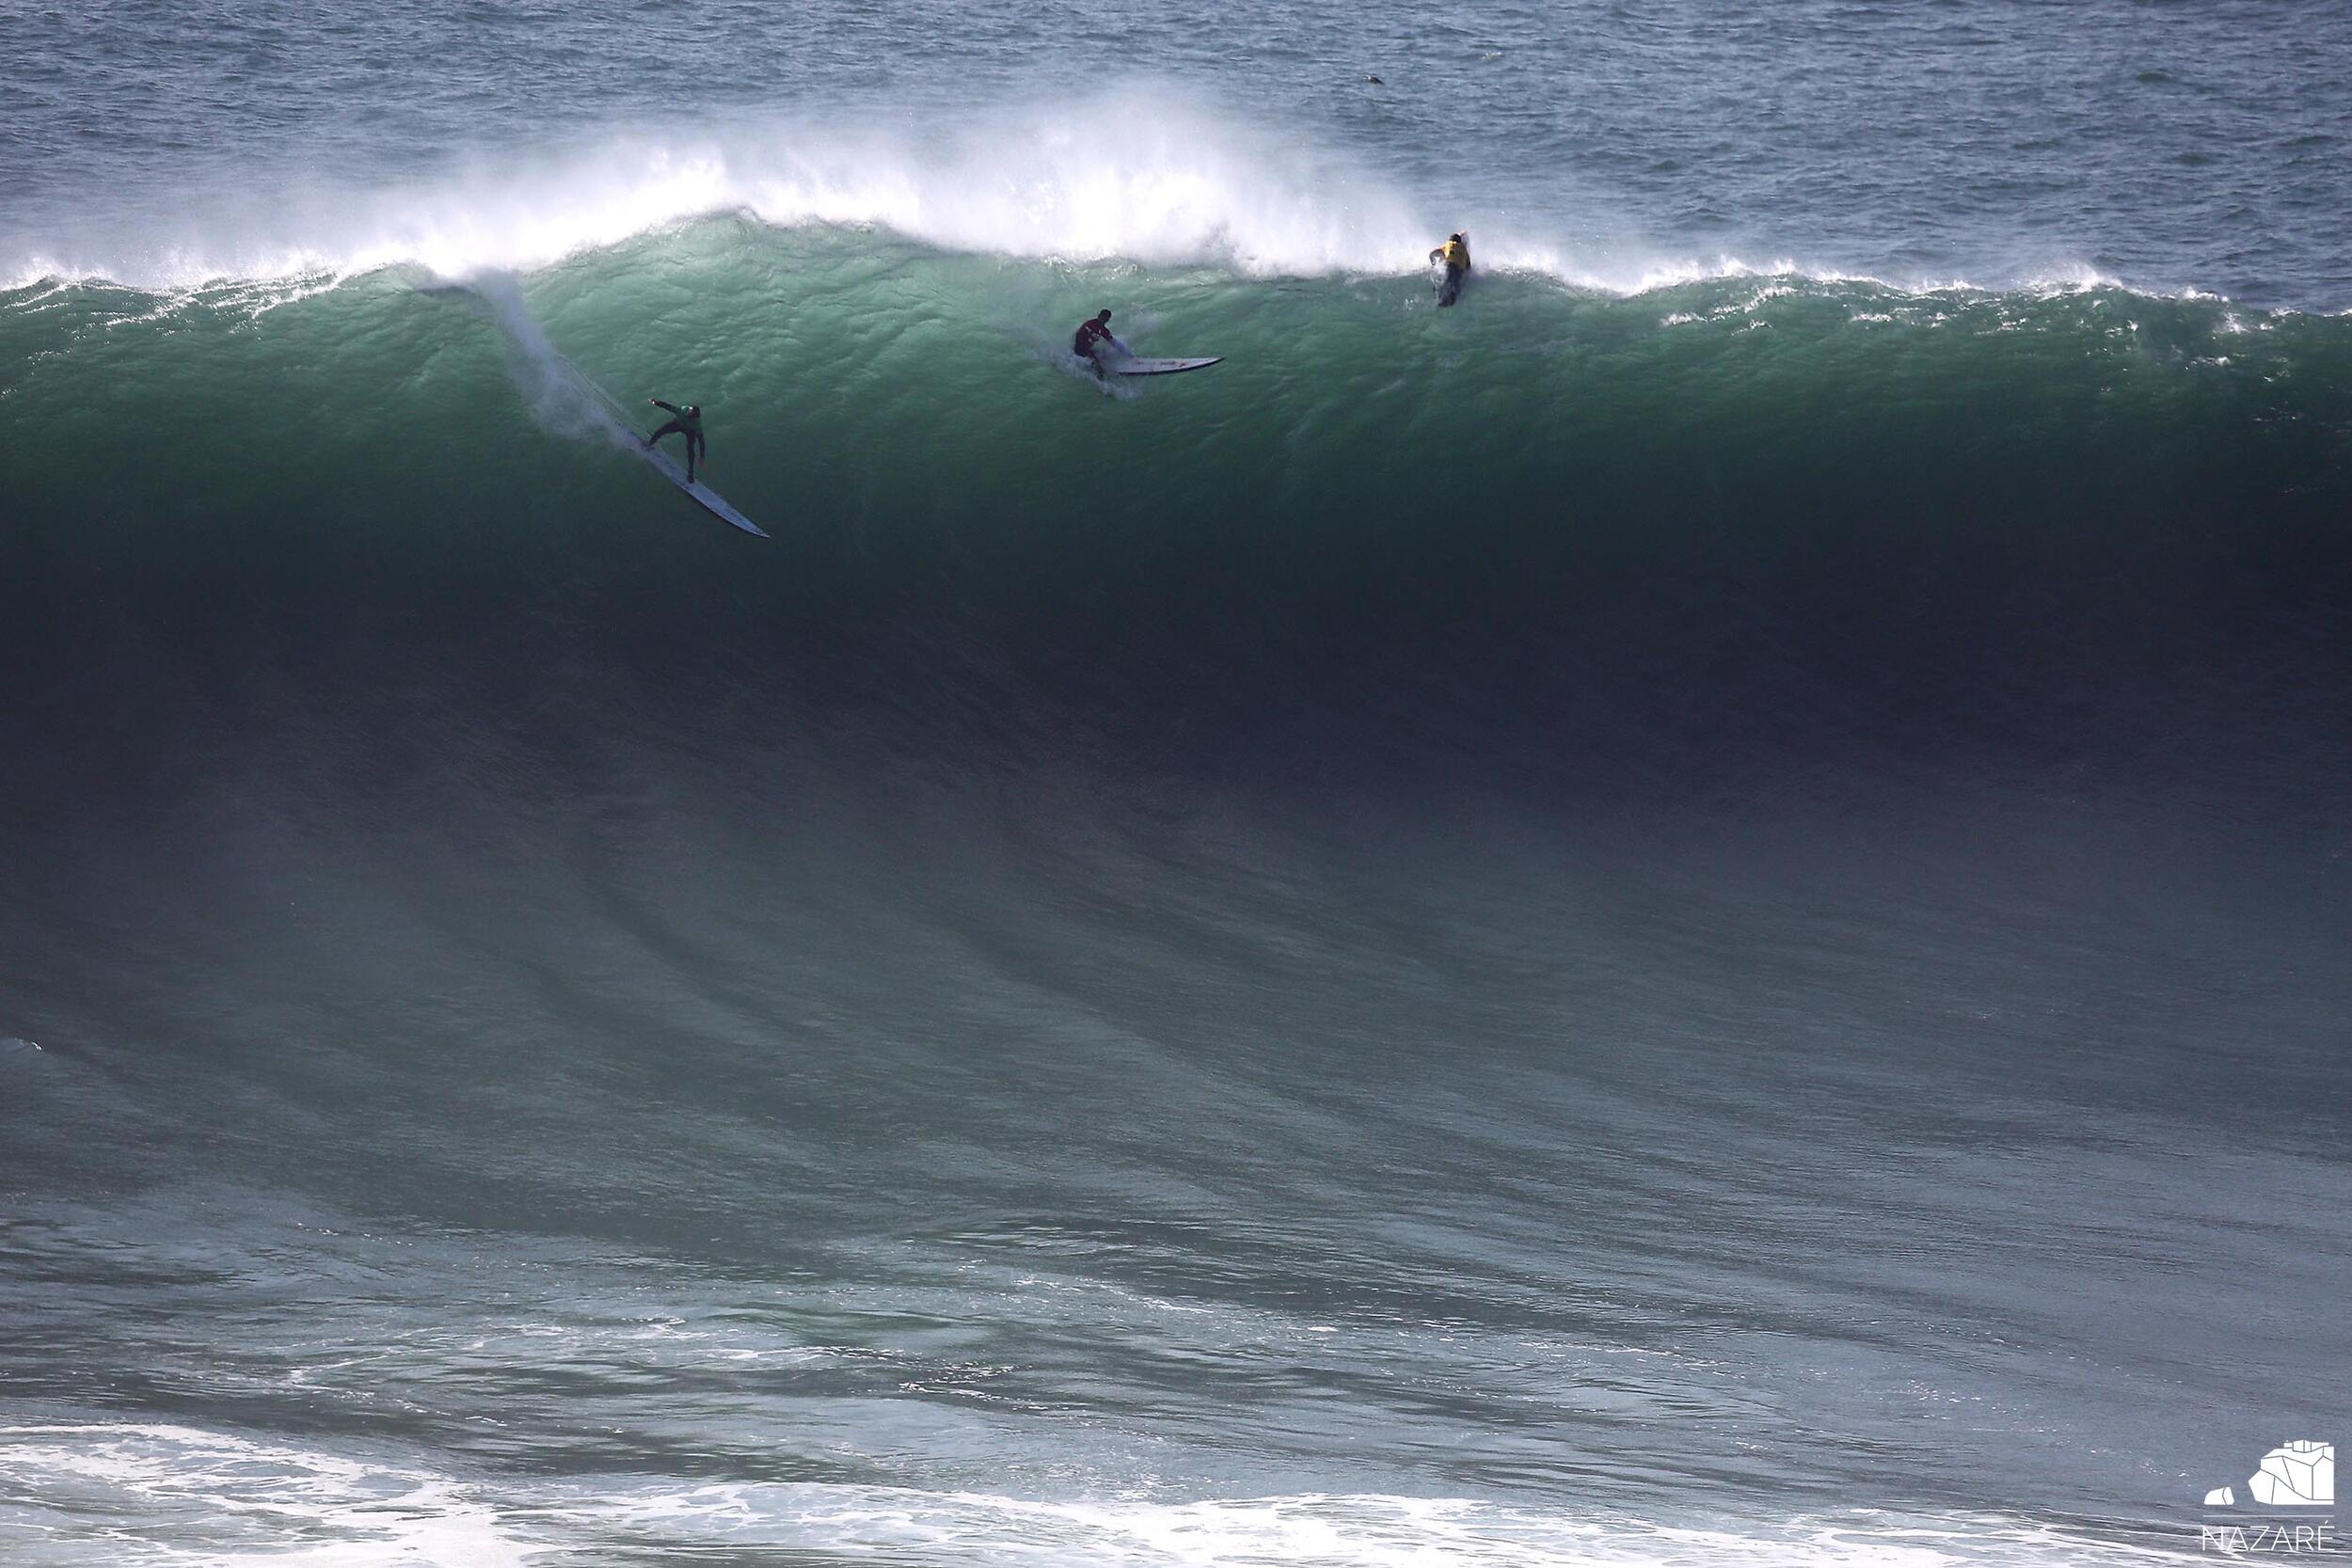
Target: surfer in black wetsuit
1092,338
689,423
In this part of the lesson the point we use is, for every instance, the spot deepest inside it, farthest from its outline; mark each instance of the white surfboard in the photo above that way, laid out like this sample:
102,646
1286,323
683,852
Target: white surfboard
712,502
1158,367
625,429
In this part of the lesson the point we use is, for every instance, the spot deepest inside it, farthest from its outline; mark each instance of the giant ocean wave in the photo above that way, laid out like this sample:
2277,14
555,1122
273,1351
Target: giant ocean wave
1774,503
1602,927
423,809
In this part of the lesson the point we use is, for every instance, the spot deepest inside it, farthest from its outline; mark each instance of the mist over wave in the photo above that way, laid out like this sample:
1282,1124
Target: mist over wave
1138,173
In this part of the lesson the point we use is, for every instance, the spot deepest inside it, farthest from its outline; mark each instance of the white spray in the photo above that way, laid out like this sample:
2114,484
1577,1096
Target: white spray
558,394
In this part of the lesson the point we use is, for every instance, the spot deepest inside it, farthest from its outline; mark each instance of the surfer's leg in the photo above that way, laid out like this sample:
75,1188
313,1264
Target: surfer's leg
694,452
670,429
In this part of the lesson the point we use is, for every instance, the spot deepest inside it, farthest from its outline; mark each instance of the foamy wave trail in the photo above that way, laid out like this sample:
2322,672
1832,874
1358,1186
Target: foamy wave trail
220,1501
229,1501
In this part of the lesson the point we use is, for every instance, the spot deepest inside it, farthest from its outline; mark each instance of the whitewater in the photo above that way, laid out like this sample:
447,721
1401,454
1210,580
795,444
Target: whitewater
1141,173
1691,913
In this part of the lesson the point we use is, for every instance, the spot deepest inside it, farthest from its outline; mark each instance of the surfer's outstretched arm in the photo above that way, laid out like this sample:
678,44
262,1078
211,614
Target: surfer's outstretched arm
658,403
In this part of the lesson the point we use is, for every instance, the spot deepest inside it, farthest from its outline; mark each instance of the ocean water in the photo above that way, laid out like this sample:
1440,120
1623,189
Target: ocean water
1697,912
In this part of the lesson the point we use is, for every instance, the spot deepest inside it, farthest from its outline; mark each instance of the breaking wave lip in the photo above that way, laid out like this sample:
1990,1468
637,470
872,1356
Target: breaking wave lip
1133,175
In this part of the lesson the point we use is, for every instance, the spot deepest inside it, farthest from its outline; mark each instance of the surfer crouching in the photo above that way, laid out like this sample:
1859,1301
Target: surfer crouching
689,423
1093,337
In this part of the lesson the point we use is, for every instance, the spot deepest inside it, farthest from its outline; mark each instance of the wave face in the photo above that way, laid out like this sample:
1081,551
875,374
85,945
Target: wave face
1593,927
1783,511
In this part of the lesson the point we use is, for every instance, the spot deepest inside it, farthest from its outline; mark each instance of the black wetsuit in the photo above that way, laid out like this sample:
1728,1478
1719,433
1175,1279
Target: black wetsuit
689,423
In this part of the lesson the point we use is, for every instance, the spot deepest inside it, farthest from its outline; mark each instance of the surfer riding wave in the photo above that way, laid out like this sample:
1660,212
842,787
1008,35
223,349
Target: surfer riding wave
1454,253
688,423
1092,338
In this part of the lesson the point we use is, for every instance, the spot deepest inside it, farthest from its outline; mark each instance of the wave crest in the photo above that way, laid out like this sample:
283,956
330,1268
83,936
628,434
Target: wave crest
1132,173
